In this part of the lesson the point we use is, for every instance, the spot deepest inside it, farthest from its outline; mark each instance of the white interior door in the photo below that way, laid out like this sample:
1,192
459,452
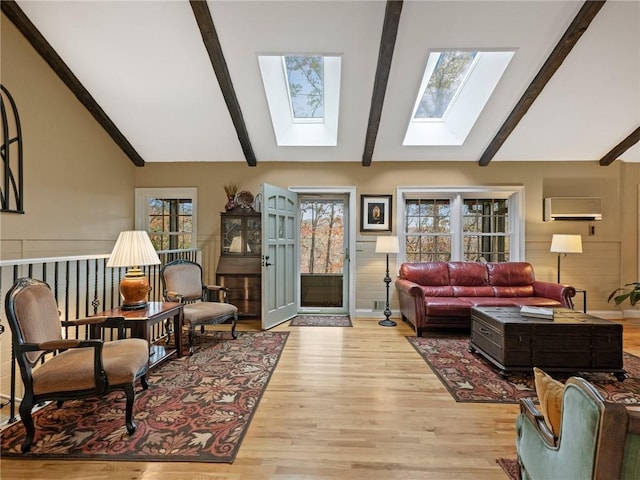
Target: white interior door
279,256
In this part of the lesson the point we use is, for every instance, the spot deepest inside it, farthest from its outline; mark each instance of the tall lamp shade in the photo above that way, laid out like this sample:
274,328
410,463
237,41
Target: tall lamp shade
563,244
387,245
132,250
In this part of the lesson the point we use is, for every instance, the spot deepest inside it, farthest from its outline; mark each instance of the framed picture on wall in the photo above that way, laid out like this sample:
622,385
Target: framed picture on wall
375,213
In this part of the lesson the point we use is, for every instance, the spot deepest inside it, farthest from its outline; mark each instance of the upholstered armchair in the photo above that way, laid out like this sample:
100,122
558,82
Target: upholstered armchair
597,440
76,368
182,282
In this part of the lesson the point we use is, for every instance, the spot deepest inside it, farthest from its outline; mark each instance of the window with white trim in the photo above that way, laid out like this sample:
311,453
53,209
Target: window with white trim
470,224
169,216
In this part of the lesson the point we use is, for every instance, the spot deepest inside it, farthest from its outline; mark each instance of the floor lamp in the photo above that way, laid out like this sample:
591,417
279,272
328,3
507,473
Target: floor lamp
387,245
563,244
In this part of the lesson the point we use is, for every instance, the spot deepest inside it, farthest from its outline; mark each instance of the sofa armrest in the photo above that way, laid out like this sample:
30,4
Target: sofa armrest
411,299
409,288
555,291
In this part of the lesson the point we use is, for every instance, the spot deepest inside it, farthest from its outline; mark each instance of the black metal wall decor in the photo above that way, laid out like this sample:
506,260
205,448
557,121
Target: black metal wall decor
11,173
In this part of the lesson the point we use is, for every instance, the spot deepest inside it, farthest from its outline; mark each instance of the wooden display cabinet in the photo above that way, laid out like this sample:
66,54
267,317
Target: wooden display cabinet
239,268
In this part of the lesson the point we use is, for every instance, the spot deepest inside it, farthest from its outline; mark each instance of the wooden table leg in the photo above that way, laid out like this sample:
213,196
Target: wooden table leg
177,332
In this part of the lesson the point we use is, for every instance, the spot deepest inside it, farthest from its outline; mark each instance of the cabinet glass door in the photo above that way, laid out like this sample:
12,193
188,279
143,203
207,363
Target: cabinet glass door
254,236
232,236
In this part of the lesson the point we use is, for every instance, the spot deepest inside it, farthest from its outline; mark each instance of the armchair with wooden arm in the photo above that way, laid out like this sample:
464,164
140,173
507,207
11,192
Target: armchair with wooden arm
182,282
597,440
79,368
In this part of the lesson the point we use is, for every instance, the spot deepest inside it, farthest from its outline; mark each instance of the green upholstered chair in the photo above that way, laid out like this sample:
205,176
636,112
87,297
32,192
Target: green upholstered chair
54,368
597,440
182,282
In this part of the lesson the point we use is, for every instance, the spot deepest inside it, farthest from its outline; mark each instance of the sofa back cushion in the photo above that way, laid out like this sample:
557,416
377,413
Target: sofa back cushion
427,273
511,274
445,291
516,291
462,291
468,274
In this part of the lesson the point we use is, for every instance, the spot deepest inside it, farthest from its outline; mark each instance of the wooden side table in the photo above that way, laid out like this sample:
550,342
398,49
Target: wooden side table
584,298
142,324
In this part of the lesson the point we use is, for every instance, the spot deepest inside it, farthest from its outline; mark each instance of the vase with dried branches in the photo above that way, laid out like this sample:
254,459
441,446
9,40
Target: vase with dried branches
230,189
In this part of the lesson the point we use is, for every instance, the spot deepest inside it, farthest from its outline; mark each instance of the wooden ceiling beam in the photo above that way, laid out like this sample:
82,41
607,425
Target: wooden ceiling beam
578,26
214,49
385,56
49,55
623,146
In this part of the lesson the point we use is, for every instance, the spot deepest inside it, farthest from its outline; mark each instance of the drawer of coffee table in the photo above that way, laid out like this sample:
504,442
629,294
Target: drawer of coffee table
506,349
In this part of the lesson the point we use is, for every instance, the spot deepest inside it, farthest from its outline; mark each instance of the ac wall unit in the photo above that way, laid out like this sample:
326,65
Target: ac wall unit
572,208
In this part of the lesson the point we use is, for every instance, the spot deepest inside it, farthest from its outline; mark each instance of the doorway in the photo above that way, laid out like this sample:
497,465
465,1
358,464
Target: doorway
323,253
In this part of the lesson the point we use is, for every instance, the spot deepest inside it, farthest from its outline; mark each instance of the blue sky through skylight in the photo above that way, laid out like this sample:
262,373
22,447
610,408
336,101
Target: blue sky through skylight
305,82
446,79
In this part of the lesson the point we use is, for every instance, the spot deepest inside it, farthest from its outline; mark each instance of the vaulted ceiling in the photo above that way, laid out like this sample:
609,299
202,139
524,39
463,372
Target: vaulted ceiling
176,81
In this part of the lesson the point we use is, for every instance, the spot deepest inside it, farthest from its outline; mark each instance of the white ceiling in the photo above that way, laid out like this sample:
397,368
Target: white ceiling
145,64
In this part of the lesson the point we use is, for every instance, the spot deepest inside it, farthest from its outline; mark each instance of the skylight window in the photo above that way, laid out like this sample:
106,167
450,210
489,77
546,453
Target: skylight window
451,69
455,87
305,83
303,94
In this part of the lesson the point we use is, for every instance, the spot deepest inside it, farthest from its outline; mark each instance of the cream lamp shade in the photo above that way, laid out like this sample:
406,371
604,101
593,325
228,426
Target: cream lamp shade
566,243
133,249
563,244
387,244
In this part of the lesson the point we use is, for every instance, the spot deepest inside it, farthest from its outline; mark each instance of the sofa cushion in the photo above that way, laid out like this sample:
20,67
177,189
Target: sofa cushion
536,302
510,274
447,307
430,291
427,273
489,301
72,370
469,274
459,291
549,393
514,291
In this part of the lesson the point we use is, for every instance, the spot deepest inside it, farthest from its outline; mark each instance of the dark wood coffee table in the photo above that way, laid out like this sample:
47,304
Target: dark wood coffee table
571,342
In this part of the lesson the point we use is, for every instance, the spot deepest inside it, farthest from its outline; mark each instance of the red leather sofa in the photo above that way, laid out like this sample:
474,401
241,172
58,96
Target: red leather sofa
441,294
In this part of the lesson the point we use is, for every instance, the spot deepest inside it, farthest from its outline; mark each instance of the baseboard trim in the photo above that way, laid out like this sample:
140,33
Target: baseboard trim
607,314
370,313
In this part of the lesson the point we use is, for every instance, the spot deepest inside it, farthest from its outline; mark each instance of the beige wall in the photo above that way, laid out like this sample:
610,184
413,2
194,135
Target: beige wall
78,185
610,256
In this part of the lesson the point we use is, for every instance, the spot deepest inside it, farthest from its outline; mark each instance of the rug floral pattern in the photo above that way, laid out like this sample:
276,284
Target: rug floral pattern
197,408
470,378
321,321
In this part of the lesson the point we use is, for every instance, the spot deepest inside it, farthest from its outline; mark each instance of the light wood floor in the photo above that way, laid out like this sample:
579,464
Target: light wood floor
343,403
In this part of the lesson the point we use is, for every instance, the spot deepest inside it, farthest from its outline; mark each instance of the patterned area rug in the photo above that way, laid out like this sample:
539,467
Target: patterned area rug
321,321
470,378
197,408
510,467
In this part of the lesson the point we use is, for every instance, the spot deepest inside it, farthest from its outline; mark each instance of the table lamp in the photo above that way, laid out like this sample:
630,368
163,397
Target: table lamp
387,245
133,249
563,244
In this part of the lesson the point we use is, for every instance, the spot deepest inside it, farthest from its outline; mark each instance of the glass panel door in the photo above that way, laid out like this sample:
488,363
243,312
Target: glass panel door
322,254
